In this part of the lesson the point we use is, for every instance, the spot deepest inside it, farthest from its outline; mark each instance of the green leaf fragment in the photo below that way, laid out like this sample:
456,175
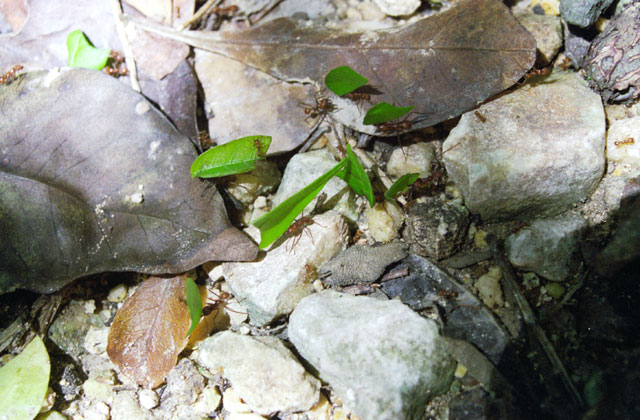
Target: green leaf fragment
23,382
343,80
354,174
234,157
83,54
400,185
275,223
383,112
194,303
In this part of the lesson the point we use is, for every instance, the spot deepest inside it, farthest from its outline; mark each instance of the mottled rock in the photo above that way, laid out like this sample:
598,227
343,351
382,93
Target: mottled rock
303,169
69,329
613,62
416,158
384,221
531,152
489,289
383,360
273,286
184,386
583,13
547,247
436,228
264,373
361,263
547,30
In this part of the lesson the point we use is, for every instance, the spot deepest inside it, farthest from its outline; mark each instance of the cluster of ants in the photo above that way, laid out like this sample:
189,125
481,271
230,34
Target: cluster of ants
116,66
9,75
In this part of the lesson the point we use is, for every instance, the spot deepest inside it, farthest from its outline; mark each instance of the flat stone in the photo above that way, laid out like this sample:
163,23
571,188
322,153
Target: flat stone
263,372
547,30
383,360
532,152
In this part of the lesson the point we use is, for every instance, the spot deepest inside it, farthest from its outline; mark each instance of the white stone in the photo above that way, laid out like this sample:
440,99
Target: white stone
384,221
490,291
117,294
416,158
398,7
148,398
623,141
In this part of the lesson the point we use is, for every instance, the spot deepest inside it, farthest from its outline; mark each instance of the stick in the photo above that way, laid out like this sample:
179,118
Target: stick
126,45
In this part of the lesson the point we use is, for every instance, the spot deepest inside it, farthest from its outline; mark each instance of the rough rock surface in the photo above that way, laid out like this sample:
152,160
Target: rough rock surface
583,13
532,152
382,359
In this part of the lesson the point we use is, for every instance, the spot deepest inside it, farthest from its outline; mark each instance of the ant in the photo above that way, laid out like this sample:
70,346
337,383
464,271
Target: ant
390,128
322,107
258,147
296,229
10,74
545,71
222,299
225,12
628,140
358,97
116,67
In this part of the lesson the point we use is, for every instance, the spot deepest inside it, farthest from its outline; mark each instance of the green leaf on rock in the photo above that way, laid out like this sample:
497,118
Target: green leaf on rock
83,54
400,185
383,112
23,382
231,158
343,80
275,223
194,303
354,174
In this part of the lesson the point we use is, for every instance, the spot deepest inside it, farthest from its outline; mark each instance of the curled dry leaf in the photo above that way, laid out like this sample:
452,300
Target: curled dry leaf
444,64
150,330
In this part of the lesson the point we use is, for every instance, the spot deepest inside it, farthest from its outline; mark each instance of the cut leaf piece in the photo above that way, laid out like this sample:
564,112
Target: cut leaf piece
343,80
273,224
194,303
354,174
83,54
23,382
401,185
150,330
383,112
231,158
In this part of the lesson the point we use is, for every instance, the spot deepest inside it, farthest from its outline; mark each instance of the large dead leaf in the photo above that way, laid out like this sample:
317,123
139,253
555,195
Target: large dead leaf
93,179
444,64
150,330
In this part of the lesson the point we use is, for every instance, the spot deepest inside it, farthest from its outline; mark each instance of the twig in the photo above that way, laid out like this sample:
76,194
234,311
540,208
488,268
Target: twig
198,15
511,288
313,135
126,45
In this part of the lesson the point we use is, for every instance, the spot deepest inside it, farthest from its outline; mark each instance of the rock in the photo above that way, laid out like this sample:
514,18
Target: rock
263,372
184,386
303,169
623,141
416,158
69,329
532,152
125,407
576,44
583,13
361,263
384,220
436,228
148,399
248,186
547,30
234,91
95,340
612,66
488,286
117,294
383,360
547,247
397,7
208,402
273,286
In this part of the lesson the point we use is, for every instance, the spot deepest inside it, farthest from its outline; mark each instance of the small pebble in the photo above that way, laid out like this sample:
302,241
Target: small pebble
555,290
320,411
384,220
117,294
148,399
232,402
490,291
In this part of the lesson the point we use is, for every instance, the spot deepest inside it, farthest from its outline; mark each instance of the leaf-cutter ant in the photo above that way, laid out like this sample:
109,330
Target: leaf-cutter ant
322,107
628,140
10,74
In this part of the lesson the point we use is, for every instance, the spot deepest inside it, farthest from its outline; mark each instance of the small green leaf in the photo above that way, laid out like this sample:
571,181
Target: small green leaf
400,185
23,382
354,174
343,80
194,303
383,112
273,224
83,54
231,158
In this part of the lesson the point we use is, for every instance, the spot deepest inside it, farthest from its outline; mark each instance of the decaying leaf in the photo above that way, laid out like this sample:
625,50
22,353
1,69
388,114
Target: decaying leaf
444,64
150,330
93,179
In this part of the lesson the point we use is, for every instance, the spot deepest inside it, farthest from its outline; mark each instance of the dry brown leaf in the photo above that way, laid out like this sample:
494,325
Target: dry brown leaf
444,64
150,330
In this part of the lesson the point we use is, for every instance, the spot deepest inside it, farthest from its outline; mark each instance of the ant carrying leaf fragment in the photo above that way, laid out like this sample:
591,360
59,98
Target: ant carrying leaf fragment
383,112
236,157
343,80
401,185
83,54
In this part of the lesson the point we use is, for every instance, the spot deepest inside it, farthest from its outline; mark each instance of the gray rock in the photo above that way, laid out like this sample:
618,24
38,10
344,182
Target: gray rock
548,246
435,228
383,360
184,386
416,158
264,373
361,263
547,30
583,13
125,406
273,286
69,329
303,169
613,64
532,152
576,44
